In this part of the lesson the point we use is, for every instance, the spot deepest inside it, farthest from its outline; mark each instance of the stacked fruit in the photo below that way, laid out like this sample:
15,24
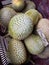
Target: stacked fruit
28,31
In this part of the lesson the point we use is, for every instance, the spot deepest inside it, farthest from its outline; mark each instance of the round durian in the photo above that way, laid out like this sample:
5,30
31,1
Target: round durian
20,26
34,15
34,44
16,52
18,5
6,14
29,5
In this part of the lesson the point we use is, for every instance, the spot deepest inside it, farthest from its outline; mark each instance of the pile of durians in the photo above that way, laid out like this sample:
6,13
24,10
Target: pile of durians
28,31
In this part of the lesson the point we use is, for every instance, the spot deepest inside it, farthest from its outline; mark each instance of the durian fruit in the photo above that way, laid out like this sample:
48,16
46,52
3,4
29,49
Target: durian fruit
18,5
20,26
29,5
16,52
43,25
34,44
6,14
34,15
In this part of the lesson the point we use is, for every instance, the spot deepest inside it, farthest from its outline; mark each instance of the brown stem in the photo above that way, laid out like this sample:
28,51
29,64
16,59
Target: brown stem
32,62
6,35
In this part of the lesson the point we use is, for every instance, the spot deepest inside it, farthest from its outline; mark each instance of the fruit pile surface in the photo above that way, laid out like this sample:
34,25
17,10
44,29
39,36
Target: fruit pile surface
24,25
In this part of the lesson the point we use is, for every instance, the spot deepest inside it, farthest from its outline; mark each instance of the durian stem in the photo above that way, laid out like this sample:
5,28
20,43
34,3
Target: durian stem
6,35
32,62
29,60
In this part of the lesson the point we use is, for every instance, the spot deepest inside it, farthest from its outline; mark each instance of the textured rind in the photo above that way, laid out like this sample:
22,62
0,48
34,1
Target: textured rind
17,52
34,44
29,5
6,14
18,5
20,26
34,15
